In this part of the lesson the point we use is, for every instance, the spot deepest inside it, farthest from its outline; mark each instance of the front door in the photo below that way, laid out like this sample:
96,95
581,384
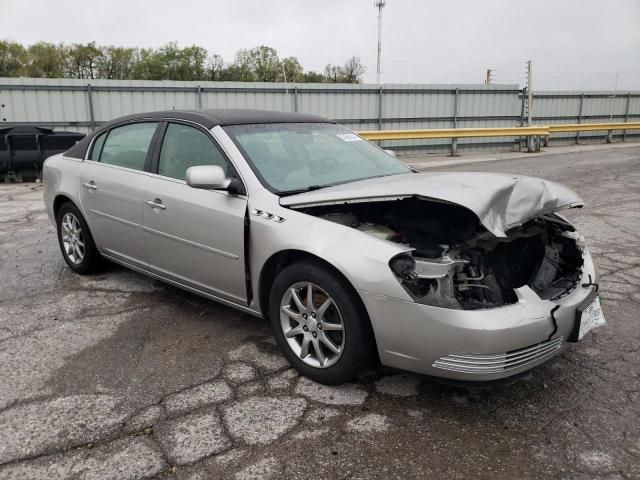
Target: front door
194,237
111,182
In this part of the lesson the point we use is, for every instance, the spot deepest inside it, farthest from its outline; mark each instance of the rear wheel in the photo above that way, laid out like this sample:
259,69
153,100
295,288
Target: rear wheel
75,240
320,323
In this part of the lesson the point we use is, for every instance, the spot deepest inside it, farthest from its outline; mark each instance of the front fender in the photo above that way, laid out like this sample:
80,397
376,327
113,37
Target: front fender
361,258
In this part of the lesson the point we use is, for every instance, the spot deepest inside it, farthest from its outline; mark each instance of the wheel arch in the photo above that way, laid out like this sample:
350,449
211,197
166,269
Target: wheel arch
60,200
282,259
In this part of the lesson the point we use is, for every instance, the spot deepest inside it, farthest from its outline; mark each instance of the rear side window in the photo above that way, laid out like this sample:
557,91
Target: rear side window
127,146
96,150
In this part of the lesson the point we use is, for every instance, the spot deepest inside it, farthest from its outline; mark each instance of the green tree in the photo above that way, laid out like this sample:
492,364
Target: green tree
312,77
45,60
242,68
215,67
169,57
353,70
149,65
116,63
333,74
292,69
191,61
350,72
169,62
83,60
264,63
13,58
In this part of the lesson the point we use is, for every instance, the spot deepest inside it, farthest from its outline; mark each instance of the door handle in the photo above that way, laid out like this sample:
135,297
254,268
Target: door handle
90,186
157,203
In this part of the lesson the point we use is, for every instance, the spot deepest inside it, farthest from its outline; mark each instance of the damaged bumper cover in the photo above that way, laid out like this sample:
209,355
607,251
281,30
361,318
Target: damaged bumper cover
476,345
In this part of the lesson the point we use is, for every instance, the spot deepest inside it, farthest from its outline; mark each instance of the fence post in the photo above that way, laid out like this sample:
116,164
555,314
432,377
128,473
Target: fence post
92,120
626,115
454,141
579,116
380,113
380,108
523,93
199,97
295,99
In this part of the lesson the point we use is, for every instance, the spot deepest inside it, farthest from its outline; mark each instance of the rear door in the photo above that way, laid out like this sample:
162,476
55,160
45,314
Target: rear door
111,182
194,237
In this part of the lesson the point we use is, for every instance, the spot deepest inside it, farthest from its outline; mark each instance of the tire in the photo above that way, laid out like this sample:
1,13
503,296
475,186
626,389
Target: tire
76,244
319,325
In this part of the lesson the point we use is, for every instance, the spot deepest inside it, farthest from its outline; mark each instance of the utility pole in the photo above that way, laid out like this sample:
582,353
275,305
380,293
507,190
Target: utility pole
529,103
613,97
529,91
284,74
379,4
489,77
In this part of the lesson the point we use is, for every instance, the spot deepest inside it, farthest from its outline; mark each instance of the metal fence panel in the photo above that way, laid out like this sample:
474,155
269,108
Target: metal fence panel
84,104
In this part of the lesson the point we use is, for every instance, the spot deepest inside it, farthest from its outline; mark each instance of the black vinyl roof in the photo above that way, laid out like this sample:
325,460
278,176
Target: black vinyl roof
206,118
237,116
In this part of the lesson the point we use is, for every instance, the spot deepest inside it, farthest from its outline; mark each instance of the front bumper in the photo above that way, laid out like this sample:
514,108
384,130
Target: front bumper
475,345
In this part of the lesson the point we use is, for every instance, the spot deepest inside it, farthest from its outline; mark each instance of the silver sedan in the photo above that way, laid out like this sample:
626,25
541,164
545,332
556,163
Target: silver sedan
354,258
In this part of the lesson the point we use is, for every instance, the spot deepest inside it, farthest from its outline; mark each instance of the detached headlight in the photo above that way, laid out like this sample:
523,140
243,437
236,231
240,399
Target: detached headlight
403,266
428,281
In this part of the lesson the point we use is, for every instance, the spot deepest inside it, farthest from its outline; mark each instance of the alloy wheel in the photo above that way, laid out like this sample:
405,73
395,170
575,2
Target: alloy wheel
72,238
312,324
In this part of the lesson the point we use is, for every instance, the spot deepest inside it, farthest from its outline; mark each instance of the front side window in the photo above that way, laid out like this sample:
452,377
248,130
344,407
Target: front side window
127,146
183,147
293,157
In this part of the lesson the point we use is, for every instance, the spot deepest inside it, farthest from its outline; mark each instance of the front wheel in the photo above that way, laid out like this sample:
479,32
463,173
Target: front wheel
320,323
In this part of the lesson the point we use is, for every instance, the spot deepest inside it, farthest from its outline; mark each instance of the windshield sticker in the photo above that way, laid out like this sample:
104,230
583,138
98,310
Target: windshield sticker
348,137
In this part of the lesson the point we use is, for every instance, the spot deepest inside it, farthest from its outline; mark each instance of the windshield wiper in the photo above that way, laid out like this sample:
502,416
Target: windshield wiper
310,188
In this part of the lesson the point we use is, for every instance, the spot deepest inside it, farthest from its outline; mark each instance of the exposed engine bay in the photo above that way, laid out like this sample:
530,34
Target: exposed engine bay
456,263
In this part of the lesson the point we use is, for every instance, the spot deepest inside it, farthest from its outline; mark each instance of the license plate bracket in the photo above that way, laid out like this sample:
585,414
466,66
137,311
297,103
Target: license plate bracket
588,316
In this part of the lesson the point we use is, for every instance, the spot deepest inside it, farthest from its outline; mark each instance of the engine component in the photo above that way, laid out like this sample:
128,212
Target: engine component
457,263
347,219
437,267
549,267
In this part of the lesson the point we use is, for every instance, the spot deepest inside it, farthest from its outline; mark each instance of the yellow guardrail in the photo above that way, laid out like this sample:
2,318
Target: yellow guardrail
495,132
535,133
453,133
593,127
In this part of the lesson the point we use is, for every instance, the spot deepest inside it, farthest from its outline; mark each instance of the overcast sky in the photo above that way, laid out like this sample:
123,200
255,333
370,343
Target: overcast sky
573,44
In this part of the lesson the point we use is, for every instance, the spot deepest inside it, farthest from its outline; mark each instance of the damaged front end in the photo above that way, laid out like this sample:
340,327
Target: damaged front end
456,263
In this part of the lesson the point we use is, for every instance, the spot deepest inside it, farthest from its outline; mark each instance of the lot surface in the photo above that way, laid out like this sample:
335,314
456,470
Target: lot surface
119,376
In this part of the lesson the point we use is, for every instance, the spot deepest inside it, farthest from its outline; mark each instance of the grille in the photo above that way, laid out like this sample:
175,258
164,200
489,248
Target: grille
474,363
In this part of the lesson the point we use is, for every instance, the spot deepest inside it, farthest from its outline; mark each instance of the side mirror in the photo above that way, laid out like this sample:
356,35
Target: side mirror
390,152
212,177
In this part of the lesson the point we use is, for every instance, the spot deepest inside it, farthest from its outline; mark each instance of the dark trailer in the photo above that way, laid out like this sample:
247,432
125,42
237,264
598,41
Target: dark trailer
23,149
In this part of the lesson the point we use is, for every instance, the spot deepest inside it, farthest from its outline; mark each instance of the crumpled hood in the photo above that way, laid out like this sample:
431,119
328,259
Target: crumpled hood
500,201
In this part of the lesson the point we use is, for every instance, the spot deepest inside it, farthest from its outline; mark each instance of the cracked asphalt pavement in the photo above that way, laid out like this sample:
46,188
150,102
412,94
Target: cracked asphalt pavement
119,376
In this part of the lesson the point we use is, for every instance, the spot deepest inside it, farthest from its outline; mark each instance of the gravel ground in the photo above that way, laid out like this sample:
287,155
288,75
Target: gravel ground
120,376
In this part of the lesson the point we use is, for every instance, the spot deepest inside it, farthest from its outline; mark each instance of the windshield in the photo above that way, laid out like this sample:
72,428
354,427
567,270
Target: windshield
294,157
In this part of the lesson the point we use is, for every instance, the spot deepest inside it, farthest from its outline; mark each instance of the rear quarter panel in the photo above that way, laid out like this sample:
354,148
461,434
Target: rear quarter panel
60,177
